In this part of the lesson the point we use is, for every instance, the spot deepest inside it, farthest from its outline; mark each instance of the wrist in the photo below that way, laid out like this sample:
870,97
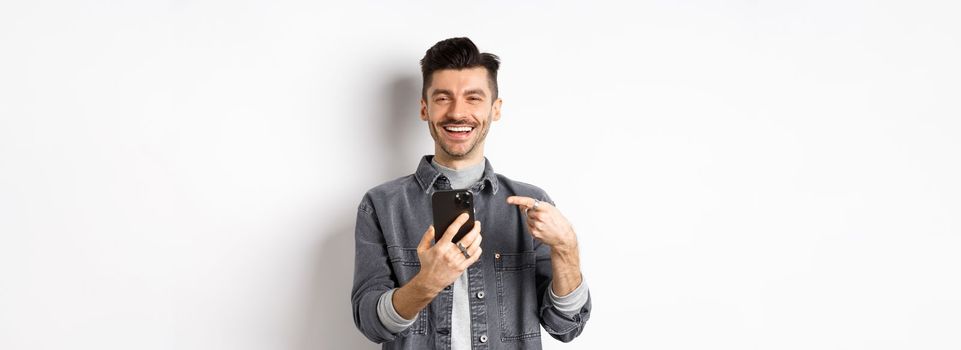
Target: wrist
565,248
419,286
565,254
412,297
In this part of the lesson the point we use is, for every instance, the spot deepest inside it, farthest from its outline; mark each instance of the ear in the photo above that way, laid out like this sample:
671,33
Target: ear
497,109
423,110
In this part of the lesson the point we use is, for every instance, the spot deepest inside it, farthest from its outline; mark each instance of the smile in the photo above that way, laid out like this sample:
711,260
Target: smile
458,128
458,132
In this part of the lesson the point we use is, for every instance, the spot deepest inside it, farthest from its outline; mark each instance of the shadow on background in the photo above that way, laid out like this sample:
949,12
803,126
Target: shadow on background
330,322
404,130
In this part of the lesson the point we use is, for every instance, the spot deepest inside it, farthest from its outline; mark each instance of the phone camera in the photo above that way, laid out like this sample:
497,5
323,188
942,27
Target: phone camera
463,199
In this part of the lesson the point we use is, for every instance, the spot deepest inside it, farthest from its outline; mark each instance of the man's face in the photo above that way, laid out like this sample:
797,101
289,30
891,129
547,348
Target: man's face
459,110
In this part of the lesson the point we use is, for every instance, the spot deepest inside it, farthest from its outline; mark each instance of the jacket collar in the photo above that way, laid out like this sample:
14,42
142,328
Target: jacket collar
426,175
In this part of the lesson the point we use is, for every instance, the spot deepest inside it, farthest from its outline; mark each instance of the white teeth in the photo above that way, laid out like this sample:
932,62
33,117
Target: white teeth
458,128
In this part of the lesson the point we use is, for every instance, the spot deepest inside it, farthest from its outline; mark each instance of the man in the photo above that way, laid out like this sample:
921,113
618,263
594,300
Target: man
516,270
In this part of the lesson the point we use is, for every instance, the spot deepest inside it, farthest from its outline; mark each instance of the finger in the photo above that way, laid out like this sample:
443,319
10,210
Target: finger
526,202
534,227
474,255
425,241
539,226
453,228
544,205
471,235
455,256
474,251
476,242
536,235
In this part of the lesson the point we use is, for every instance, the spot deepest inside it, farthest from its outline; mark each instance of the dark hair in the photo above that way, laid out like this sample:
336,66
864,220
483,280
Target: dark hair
458,53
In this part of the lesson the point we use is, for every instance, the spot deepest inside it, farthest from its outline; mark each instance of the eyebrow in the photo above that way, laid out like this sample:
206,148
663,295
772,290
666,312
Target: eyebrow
451,93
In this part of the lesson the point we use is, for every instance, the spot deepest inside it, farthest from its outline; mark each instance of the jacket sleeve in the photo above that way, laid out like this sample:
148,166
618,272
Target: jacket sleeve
562,326
372,275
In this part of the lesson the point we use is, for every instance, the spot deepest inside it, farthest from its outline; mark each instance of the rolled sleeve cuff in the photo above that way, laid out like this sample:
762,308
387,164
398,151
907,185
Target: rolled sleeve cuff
571,303
393,321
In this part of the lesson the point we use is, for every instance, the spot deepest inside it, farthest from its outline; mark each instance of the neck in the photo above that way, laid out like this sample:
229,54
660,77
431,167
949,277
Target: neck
457,163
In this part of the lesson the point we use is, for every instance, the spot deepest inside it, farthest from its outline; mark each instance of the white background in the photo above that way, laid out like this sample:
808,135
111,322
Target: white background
742,174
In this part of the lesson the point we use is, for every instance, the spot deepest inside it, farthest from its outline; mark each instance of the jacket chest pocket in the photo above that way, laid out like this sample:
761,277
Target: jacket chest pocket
517,295
406,265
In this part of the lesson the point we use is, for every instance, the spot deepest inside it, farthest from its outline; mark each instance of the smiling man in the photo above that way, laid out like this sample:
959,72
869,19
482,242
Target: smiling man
518,269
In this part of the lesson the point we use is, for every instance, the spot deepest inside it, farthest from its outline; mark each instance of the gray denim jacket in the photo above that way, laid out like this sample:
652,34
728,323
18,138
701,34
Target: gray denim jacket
508,284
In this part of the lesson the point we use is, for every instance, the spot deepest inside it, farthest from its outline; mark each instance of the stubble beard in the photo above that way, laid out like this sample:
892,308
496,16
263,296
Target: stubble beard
481,137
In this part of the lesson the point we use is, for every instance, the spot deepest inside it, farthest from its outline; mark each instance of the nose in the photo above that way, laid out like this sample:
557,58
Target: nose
457,110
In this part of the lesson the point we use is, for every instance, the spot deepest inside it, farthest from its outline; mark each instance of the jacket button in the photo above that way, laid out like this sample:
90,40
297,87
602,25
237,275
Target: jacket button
497,255
483,338
480,295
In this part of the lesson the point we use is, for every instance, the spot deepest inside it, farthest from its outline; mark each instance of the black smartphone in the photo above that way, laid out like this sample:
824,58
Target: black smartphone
447,206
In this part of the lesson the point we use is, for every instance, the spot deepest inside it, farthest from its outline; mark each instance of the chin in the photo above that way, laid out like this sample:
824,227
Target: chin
457,153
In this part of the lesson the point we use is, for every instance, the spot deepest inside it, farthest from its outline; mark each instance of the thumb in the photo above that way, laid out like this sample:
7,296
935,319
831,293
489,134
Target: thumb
425,241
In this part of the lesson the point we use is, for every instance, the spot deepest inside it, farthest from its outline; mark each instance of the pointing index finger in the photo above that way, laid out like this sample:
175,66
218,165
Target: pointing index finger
521,200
